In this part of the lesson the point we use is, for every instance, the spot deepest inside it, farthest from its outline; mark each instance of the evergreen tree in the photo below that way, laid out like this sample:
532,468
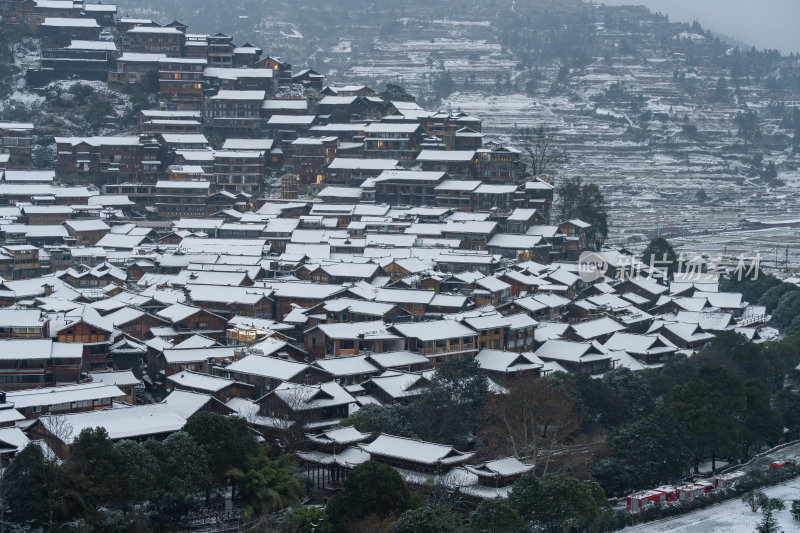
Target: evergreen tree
770,172
701,195
713,427
302,519
136,474
439,519
721,90
787,313
788,403
25,486
645,452
748,124
557,502
448,411
495,516
395,419
768,524
586,202
94,457
396,93
772,296
267,485
443,85
660,255
228,441
753,500
371,488
184,475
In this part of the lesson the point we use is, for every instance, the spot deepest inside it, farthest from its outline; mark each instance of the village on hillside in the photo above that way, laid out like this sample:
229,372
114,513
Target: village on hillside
355,280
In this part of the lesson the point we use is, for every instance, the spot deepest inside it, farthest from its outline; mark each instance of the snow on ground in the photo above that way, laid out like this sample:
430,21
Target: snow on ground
97,85
22,98
650,189
292,33
449,22
344,47
27,55
732,516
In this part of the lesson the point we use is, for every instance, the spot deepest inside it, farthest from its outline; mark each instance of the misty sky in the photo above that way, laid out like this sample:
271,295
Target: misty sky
762,23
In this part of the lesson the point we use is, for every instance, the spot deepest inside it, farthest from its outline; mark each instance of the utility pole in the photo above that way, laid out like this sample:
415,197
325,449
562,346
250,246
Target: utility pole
658,224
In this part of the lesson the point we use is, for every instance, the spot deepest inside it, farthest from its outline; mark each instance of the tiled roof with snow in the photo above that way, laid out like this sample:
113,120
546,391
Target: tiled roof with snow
122,423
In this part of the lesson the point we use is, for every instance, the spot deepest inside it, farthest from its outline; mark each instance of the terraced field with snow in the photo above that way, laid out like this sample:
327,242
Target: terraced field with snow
650,187
649,171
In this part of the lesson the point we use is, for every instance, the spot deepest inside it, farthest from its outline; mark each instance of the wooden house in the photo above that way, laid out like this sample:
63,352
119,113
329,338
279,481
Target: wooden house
439,340
154,40
266,373
64,399
415,455
304,404
232,111
578,357
135,322
309,78
33,363
221,388
394,386
125,380
503,367
138,423
342,339
181,81
94,334
188,320
346,371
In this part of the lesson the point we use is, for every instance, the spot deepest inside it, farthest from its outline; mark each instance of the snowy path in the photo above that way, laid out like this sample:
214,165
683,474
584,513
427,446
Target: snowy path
730,517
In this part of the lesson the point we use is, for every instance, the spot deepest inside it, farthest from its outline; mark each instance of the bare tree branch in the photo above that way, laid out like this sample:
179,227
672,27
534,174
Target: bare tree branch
531,422
542,147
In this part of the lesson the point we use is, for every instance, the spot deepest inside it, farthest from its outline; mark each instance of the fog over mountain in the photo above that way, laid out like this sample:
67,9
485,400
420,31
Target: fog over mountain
763,23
